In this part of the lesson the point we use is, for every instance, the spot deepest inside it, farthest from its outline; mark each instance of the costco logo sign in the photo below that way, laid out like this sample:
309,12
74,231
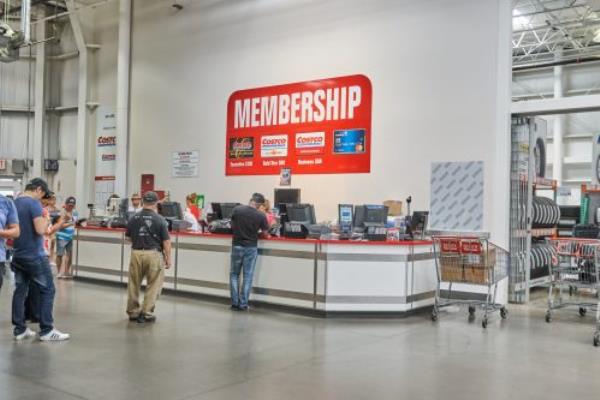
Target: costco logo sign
310,143
107,141
274,146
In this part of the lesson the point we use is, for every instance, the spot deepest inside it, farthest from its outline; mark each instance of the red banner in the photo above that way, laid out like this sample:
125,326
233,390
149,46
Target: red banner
315,127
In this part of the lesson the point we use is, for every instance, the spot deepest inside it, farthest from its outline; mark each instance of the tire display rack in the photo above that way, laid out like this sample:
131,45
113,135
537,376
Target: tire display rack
534,216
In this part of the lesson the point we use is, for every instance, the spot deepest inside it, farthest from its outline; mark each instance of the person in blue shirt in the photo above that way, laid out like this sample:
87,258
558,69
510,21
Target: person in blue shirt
64,239
31,265
9,229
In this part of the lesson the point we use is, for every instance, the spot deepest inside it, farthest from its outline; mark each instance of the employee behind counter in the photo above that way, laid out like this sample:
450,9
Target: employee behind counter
298,220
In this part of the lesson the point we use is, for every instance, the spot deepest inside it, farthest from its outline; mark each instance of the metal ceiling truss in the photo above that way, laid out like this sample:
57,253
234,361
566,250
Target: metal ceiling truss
548,30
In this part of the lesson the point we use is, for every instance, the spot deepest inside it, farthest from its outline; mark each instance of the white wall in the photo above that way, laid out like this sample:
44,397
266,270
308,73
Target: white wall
431,100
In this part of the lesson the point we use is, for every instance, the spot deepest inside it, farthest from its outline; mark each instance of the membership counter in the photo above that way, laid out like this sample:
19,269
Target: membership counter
318,276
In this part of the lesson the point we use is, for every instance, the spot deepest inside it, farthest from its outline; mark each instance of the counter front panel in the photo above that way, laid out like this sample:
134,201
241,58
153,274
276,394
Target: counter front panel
320,275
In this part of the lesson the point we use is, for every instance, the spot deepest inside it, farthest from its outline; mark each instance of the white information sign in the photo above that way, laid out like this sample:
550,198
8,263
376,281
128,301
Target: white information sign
184,164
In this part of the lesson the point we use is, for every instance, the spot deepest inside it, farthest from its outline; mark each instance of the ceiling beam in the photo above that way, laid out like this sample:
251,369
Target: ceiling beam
563,105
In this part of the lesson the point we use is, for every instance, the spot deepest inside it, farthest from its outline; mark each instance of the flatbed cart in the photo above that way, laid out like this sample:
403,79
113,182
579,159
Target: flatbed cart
576,266
474,261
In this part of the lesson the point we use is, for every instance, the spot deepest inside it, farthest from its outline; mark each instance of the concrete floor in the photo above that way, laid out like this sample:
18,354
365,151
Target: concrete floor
201,350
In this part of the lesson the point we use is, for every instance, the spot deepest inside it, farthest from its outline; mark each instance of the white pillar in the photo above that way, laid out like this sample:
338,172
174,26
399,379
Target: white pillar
39,103
123,70
557,143
82,182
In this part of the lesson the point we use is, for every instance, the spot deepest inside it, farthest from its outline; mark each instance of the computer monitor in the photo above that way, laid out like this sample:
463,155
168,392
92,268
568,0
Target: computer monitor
123,208
170,209
223,210
418,221
370,214
345,214
302,213
286,196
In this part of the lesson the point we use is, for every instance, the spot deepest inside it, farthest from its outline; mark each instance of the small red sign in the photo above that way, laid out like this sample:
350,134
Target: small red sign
470,247
450,245
314,127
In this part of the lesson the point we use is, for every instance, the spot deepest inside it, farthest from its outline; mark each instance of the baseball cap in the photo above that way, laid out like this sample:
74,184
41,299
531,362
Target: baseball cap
40,183
150,198
70,201
258,198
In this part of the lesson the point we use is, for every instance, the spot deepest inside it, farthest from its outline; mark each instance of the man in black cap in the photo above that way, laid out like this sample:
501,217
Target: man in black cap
64,239
30,263
247,224
150,255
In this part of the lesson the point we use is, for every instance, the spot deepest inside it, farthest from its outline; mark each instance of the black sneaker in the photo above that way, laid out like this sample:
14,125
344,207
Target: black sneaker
134,318
234,308
244,308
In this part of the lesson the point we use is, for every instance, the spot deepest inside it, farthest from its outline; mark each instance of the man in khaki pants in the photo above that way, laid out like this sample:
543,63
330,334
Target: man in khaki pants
150,255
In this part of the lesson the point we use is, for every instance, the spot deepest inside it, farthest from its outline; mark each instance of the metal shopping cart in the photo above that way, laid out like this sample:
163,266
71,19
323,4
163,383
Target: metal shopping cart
576,267
473,261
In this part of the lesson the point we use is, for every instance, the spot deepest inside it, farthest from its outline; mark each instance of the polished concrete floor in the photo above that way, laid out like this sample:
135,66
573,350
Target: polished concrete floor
201,350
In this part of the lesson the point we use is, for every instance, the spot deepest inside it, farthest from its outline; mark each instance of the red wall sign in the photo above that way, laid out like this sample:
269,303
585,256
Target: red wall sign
315,127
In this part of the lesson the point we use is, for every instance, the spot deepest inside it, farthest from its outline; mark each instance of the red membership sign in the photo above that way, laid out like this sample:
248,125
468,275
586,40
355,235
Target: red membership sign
314,127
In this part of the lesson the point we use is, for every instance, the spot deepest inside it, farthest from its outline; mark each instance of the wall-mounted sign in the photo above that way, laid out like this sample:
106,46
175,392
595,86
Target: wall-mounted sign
106,158
314,127
184,164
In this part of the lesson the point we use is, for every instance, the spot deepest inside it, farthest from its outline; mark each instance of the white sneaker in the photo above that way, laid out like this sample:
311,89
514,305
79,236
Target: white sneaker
28,334
55,336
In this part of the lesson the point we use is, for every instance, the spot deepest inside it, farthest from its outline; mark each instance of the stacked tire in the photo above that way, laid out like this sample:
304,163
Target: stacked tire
546,213
541,255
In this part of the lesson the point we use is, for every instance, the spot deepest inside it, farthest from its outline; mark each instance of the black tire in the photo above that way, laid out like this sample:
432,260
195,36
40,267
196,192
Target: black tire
434,316
548,317
503,313
471,310
582,311
484,323
539,157
597,339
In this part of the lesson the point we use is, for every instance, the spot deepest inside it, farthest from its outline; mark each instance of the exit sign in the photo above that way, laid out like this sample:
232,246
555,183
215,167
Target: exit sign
2,165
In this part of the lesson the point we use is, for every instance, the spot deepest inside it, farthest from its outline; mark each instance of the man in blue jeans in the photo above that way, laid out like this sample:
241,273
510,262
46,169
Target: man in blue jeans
9,229
247,223
30,264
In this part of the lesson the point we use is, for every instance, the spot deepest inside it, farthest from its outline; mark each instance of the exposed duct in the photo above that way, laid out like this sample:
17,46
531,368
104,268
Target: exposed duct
26,20
11,40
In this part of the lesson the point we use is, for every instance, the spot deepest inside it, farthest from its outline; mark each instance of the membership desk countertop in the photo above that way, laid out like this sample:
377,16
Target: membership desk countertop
322,276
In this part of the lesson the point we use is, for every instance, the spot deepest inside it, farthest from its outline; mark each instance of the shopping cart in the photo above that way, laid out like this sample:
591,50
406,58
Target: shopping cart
473,261
575,267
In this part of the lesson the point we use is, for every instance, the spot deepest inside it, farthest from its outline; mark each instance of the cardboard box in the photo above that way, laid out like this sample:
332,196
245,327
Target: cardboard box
394,207
452,269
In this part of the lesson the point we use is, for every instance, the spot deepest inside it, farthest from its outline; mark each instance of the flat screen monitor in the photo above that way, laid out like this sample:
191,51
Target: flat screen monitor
223,210
303,213
345,214
370,214
286,196
170,209
418,221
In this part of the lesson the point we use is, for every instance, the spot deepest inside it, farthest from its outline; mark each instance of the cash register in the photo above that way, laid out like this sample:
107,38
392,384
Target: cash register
173,213
299,219
222,217
370,220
